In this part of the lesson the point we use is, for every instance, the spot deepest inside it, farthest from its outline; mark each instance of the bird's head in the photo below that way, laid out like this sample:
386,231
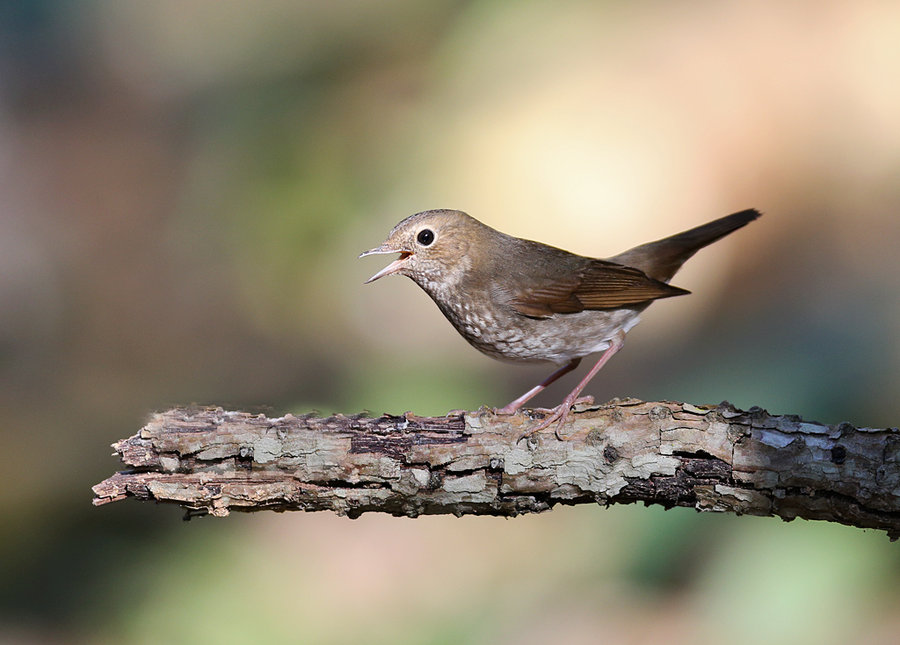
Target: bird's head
434,246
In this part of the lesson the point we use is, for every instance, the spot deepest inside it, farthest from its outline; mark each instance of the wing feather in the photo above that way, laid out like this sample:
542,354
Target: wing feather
599,284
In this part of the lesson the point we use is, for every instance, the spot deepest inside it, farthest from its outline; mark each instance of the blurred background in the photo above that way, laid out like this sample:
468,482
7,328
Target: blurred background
186,186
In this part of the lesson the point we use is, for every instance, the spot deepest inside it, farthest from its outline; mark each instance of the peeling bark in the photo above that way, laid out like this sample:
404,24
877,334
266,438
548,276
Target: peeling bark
209,460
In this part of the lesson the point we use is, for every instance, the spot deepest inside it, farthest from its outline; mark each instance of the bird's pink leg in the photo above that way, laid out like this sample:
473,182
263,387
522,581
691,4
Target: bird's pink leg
561,412
530,394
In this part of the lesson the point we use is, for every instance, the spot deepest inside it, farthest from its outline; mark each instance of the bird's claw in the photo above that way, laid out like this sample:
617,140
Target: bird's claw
559,414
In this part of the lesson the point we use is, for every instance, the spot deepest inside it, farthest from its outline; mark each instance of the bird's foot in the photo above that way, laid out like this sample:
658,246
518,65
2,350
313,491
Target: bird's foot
582,400
507,409
558,415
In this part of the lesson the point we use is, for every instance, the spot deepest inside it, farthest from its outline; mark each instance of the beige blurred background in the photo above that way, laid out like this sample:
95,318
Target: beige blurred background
186,186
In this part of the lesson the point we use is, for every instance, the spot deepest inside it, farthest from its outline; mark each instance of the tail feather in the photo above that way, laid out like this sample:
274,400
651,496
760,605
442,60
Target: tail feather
662,259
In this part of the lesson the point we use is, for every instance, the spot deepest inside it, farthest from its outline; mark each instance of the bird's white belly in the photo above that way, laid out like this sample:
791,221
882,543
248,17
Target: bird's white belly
558,339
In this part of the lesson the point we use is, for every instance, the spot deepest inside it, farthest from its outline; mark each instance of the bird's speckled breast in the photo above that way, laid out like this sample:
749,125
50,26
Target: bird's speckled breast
501,332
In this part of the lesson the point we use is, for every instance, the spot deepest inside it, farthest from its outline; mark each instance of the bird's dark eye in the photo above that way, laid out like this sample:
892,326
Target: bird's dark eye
425,237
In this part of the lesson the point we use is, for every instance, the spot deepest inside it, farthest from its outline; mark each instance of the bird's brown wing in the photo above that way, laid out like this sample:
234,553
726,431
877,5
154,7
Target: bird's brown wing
597,284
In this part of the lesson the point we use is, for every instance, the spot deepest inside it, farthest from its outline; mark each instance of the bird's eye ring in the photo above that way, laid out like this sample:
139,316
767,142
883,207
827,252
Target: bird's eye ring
425,237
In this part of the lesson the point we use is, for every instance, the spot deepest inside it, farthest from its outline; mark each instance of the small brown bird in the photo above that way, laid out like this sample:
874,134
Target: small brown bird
519,300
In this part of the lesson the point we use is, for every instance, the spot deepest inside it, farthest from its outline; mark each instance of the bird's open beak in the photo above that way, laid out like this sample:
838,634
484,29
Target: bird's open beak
393,267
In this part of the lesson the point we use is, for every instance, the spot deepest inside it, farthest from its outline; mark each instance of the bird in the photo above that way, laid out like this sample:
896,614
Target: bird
524,301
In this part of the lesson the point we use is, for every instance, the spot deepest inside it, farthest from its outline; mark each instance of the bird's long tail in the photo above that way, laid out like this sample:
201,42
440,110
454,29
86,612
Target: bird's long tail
662,258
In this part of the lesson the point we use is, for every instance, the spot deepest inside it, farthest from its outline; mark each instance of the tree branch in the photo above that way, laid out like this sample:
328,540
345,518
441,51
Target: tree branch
675,454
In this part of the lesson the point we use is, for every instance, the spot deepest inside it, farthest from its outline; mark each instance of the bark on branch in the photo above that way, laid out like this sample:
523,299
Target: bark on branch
209,460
